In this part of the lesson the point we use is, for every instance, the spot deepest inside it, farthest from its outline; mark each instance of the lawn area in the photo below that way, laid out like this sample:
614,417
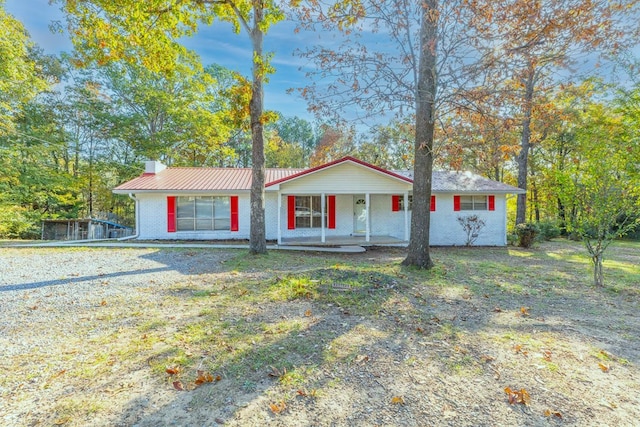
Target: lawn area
218,337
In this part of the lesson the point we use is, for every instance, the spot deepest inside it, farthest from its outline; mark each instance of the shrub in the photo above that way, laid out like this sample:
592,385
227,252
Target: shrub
527,233
471,225
548,230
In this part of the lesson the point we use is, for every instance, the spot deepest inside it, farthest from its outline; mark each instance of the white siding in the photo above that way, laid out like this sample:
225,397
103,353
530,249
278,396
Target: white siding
153,221
345,178
446,231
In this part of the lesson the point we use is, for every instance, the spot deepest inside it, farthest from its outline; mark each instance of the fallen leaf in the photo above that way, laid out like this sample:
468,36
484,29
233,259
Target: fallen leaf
486,358
173,370
419,330
178,385
362,358
517,396
548,413
302,393
397,400
278,408
103,303
275,372
307,313
604,367
524,311
547,355
203,377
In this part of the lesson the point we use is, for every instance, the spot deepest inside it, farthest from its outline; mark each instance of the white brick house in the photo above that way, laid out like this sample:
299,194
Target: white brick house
340,199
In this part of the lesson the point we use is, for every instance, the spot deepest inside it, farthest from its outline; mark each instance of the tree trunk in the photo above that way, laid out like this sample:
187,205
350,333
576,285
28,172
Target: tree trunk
418,254
257,236
598,275
523,157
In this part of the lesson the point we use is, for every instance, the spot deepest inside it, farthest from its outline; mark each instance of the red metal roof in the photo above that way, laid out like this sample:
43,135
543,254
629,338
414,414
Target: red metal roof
201,179
239,179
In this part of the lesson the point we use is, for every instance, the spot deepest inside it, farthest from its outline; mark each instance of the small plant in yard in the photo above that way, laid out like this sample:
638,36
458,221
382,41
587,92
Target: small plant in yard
471,225
527,233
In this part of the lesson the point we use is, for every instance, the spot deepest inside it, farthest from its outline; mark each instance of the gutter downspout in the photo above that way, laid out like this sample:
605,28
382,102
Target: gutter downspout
137,210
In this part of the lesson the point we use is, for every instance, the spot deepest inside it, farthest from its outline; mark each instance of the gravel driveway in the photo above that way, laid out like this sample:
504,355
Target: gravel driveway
49,299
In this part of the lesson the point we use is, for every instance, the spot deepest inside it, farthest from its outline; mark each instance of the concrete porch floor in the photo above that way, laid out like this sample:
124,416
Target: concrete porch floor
343,241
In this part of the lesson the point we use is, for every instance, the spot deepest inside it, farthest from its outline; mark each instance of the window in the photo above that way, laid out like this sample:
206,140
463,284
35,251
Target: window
397,203
473,203
203,213
308,212
401,203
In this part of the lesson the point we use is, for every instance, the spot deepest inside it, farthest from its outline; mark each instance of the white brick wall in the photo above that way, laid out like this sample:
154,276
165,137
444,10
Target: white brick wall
153,221
444,230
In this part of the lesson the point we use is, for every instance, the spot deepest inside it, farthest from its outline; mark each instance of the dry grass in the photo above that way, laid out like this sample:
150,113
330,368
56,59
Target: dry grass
302,339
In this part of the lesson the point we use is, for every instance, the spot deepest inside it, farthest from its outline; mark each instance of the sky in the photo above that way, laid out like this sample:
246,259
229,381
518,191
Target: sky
215,44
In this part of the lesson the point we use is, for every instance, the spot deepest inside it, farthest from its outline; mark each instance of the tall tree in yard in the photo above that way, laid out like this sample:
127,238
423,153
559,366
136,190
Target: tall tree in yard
413,63
527,41
148,32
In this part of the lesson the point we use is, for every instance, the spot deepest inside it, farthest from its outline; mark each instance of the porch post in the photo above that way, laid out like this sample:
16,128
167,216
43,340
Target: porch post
406,216
279,217
367,221
323,208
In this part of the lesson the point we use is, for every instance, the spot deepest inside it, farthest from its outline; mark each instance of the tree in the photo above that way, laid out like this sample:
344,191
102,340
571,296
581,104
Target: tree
526,41
601,183
148,33
413,63
297,132
20,73
425,97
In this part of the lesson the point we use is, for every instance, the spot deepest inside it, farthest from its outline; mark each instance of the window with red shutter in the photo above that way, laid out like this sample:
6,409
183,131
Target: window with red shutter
291,212
395,203
171,214
331,206
456,203
234,213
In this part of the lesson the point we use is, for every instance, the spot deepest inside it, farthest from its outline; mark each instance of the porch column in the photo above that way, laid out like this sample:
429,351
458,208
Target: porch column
406,216
323,209
367,237
279,217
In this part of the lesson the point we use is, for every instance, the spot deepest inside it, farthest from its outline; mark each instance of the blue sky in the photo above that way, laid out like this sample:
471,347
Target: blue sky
215,44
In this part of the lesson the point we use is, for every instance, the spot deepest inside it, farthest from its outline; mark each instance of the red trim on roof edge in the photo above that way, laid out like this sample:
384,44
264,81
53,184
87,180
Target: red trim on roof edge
336,162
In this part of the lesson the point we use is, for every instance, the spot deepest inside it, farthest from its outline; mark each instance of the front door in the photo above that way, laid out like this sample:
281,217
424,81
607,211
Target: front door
359,214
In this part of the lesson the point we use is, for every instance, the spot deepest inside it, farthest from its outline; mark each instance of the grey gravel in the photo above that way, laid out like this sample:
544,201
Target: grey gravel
39,289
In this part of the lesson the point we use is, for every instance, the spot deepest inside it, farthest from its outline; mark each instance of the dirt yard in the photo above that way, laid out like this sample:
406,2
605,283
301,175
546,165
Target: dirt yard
186,337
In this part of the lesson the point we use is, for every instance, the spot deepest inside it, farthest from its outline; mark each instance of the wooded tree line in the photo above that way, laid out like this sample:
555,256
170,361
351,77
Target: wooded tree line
513,91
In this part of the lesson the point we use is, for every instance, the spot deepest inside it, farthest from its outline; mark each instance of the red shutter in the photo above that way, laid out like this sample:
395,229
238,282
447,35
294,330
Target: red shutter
171,214
395,203
234,212
433,203
331,202
492,203
291,212
456,203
